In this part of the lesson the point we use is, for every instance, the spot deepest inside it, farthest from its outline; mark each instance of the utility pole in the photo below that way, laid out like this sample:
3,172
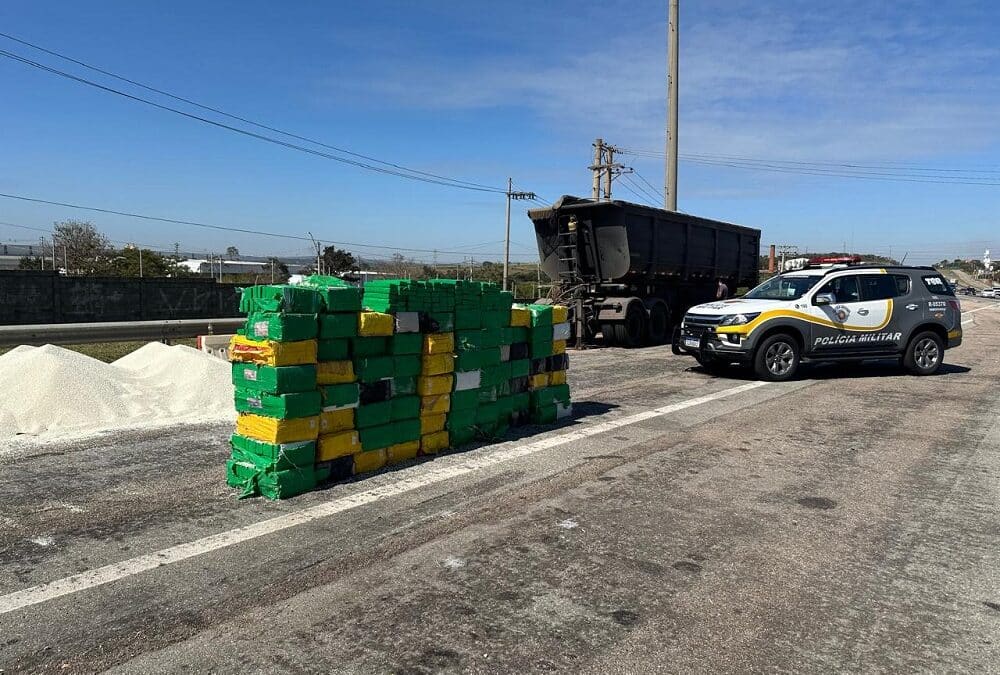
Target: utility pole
596,167
272,270
506,245
319,257
604,167
41,250
673,54
785,248
53,250
140,262
471,263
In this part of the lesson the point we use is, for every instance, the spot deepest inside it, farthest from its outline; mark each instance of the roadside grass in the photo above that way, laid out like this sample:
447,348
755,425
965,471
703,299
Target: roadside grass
111,351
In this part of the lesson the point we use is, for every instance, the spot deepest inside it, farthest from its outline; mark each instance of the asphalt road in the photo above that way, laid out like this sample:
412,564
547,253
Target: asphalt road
849,520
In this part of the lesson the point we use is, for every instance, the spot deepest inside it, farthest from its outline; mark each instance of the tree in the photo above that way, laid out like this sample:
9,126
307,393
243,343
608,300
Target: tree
280,270
81,248
29,263
337,260
125,263
233,253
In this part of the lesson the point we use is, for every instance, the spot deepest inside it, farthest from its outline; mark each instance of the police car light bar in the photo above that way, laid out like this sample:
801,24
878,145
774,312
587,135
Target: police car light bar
835,260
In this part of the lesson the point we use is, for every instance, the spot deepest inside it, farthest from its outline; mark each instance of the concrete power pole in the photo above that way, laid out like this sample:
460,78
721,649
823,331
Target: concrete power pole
506,244
596,168
673,53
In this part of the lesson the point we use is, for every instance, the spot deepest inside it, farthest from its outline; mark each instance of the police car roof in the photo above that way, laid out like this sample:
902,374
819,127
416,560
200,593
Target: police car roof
830,269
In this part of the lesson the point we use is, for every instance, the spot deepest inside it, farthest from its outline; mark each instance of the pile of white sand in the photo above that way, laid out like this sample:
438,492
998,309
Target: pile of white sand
50,392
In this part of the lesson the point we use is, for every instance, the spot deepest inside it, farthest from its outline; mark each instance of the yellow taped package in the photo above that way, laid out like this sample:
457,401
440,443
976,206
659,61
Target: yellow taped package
334,372
519,316
402,451
273,430
432,443
437,364
435,405
371,324
336,420
557,377
539,381
560,313
369,460
434,385
558,346
268,353
431,423
439,343
336,445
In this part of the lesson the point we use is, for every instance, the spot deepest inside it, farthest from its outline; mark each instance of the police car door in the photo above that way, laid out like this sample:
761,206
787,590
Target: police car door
843,320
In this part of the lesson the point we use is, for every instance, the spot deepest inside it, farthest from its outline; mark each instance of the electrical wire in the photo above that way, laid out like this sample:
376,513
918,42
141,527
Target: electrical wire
884,164
239,118
225,228
244,132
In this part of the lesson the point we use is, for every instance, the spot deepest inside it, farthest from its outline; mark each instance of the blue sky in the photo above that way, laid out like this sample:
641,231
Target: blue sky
480,91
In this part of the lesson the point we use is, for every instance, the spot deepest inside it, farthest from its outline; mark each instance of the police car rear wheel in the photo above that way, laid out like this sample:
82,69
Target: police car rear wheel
924,355
777,358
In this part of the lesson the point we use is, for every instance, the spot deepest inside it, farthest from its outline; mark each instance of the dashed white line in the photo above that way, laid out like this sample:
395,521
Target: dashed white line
436,474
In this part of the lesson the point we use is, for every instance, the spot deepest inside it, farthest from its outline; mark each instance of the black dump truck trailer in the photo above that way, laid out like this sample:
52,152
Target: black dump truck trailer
629,272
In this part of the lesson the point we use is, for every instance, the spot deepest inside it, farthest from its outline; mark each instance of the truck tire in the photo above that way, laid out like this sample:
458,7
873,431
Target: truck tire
659,325
925,354
632,332
608,334
777,358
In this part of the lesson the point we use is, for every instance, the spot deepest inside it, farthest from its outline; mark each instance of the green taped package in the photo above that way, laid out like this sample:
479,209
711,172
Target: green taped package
280,298
273,456
489,338
404,408
278,406
333,350
405,431
406,343
468,340
549,396
465,400
340,395
445,321
467,319
281,327
495,319
374,368
467,360
458,419
280,380
520,368
407,365
543,415
253,481
369,346
344,325
460,436
403,386
376,438
373,414
336,295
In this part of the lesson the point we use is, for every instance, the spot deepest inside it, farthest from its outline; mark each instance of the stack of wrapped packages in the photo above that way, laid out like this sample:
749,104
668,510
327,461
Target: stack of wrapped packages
331,382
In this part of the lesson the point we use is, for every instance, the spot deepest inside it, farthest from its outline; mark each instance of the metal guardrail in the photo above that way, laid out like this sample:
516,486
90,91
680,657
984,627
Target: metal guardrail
114,331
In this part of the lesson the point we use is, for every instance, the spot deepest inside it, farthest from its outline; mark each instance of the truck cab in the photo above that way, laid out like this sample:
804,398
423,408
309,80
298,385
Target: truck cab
828,314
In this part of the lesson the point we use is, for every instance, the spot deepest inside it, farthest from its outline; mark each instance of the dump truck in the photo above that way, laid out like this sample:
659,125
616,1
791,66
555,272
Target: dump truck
629,272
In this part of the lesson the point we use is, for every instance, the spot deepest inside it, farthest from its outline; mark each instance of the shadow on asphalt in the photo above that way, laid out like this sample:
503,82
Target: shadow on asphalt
833,371
581,410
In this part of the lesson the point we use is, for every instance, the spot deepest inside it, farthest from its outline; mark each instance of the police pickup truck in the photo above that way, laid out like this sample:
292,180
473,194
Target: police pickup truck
835,313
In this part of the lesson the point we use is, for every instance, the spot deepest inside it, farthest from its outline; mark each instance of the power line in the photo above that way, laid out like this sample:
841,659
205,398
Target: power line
643,179
267,139
653,199
883,164
224,228
832,174
218,111
871,172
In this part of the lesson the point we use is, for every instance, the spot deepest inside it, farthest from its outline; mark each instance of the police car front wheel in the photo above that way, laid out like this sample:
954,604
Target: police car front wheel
777,358
924,354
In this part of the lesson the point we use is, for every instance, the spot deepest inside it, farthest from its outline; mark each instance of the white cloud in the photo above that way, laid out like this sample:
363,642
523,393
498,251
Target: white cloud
804,81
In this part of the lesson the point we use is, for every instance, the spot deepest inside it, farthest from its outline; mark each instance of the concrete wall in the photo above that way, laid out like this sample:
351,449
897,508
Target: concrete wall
28,297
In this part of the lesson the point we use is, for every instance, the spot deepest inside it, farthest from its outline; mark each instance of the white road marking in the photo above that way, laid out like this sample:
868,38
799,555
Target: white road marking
437,473
568,524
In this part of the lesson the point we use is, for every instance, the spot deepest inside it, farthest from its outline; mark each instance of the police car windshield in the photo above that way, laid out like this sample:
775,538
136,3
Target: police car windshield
783,288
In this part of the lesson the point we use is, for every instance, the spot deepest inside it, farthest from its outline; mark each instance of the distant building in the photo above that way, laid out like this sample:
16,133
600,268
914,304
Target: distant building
11,254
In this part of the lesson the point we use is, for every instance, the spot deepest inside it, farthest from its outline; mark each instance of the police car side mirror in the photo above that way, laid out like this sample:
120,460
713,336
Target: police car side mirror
824,299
